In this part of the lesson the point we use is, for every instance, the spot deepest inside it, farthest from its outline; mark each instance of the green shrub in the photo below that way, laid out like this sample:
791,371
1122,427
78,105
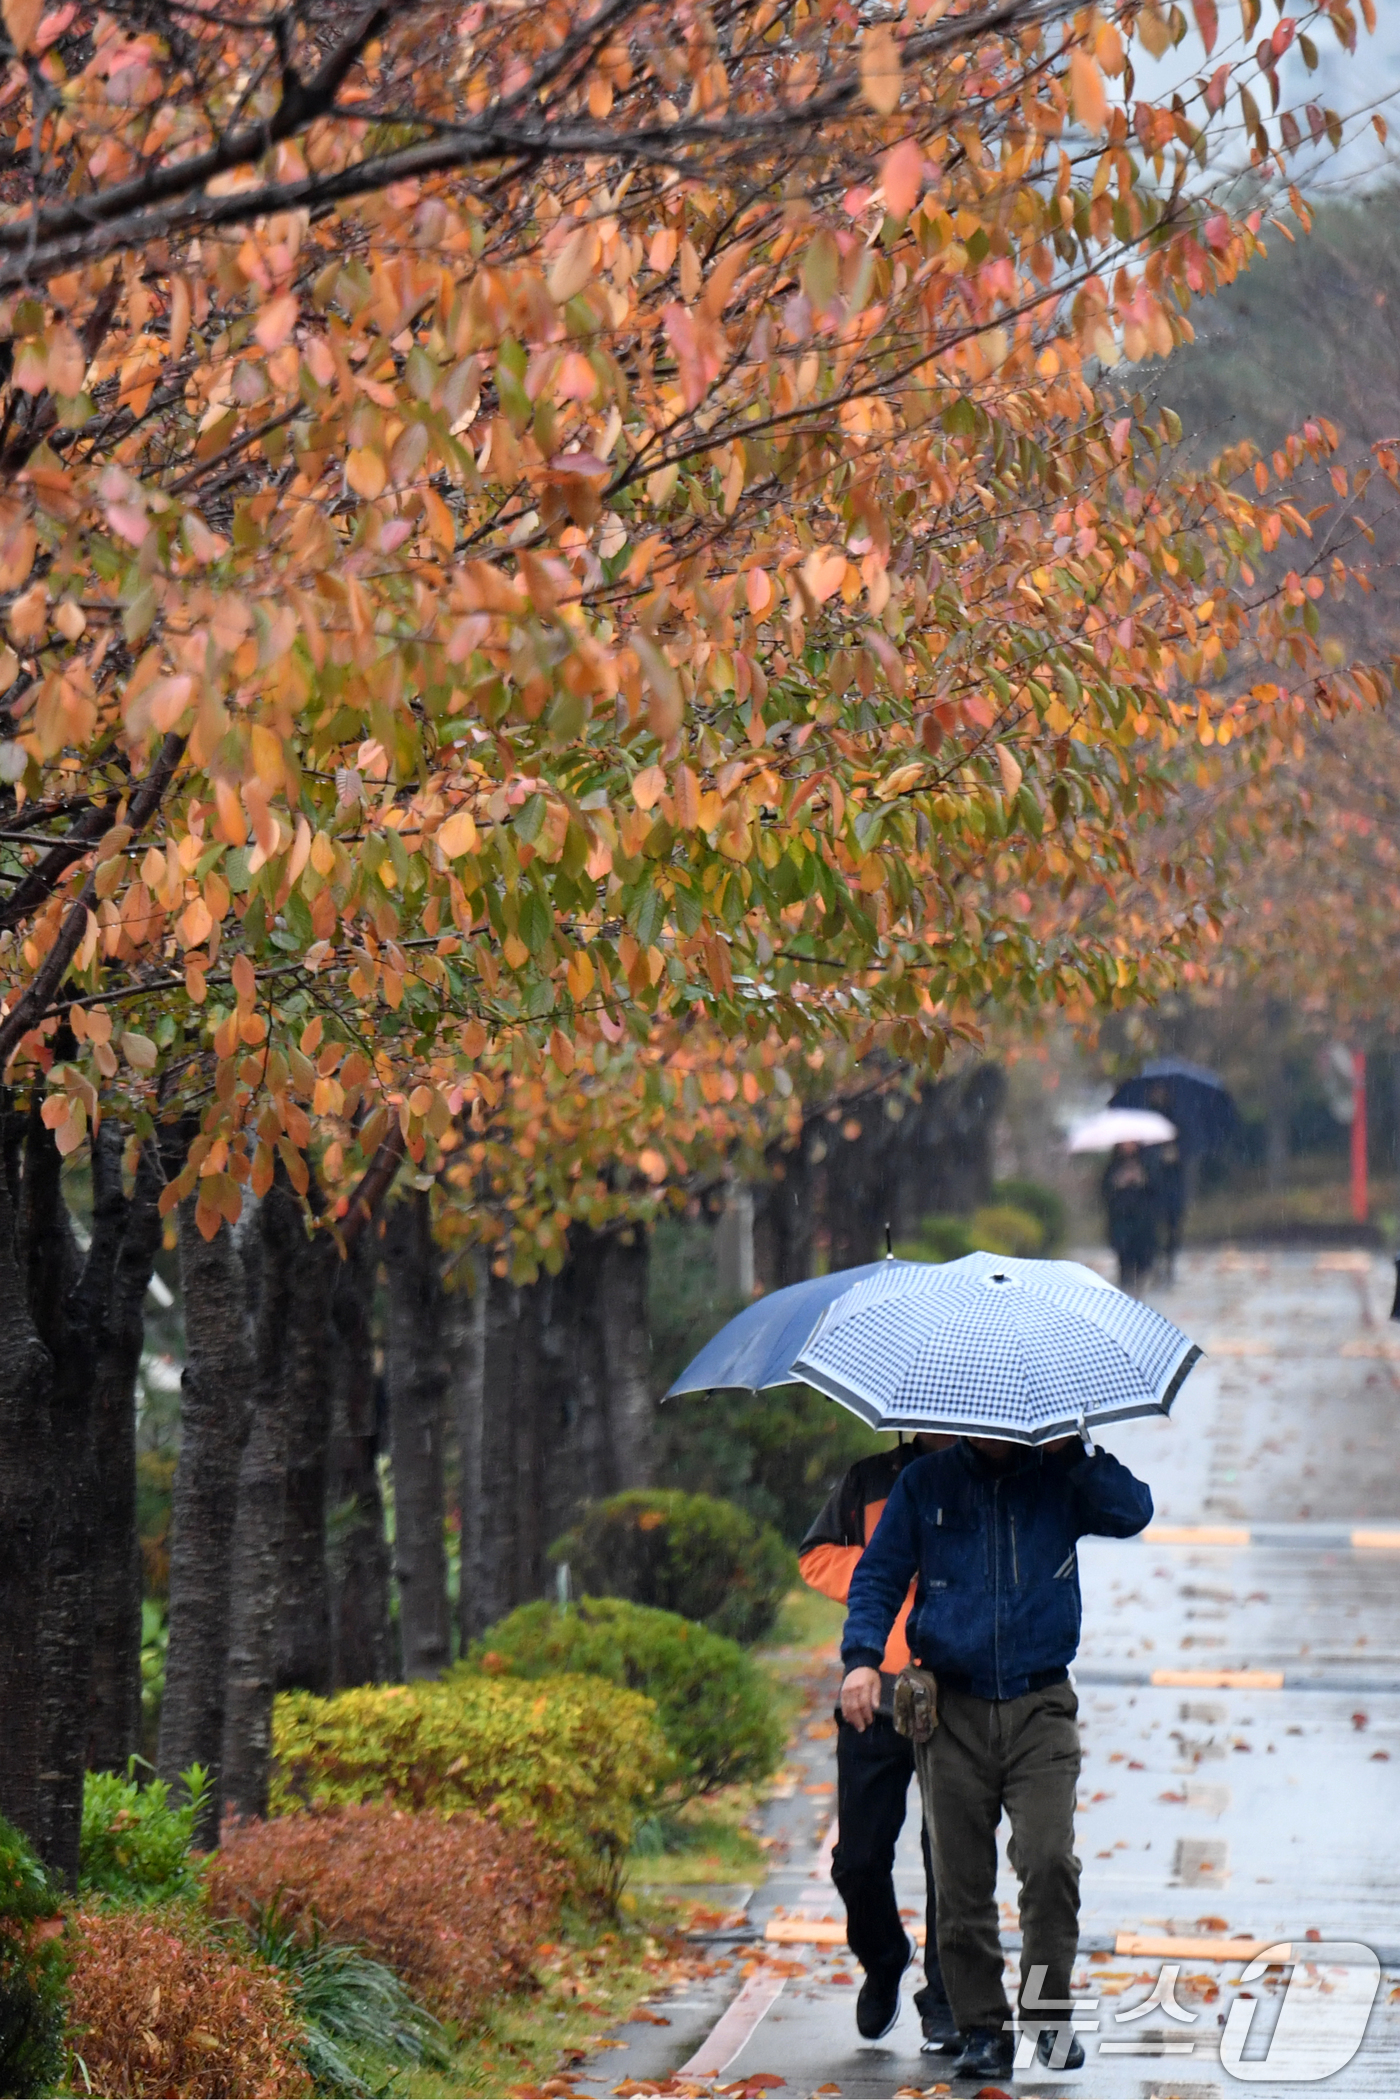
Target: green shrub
33,1972
714,1703
690,1554
135,1842
1002,1229
577,1758
1046,1205
938,1238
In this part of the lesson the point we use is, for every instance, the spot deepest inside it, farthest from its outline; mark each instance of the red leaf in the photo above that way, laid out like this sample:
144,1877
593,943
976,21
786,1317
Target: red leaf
1207,21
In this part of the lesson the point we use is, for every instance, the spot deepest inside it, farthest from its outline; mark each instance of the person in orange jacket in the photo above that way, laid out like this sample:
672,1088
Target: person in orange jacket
874,1768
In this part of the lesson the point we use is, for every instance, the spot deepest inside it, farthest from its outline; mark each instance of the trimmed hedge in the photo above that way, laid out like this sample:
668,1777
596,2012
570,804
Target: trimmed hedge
454,1905
578,1758
691,1554
712,1700
161,2005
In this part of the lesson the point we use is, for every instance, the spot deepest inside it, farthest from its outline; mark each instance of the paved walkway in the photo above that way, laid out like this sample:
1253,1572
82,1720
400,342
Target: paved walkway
1239,1687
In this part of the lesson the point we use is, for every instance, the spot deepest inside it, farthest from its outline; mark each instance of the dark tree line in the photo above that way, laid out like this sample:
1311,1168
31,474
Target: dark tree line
310,1357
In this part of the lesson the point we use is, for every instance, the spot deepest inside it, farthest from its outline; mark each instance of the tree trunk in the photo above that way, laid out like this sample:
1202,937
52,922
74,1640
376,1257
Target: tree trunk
262,1503
627,1357
66,1299
26,1508
415,1376
488,1540
304,1623
362,1644
464,1337
114,1710
214,1399
784,1218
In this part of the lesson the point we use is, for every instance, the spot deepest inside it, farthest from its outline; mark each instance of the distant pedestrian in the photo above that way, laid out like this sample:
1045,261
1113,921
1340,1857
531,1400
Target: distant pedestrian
1132,1214
988,1530
874,1768
1166,1175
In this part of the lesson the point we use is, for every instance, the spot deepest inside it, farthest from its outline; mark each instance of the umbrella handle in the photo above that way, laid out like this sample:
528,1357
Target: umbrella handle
1084,1437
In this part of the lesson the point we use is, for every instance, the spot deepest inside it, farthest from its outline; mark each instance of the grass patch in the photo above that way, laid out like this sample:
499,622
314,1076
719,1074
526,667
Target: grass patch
807,1620
705,1842
590,1980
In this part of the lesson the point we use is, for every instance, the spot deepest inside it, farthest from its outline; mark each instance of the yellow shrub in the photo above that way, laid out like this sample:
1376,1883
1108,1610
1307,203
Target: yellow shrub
578,1758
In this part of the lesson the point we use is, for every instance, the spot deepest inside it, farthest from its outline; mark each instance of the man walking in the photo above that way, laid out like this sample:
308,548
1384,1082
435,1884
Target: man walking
874,1767
988,1530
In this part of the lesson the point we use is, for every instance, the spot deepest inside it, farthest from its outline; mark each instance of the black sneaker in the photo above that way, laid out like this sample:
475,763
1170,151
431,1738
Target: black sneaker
877,2007
986,2053
941,2036
1045,2046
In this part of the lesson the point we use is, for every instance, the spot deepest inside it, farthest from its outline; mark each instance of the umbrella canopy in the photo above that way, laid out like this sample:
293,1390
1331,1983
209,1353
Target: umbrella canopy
1196,1100
992,1346
1121,1126
756,1348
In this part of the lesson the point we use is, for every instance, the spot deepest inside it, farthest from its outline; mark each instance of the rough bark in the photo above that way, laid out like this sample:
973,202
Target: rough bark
464,1335
262,1502
489,1540
785,1218
559,1413
26,1506
362,1643
303,1661
626,1348
416,1381
214,1401
114,1708
67,1296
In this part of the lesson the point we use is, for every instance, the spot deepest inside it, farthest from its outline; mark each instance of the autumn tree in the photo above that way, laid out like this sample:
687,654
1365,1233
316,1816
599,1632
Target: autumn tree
529,532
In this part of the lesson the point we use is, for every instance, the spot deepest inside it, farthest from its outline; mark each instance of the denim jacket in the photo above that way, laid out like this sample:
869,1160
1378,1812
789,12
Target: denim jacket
997,1609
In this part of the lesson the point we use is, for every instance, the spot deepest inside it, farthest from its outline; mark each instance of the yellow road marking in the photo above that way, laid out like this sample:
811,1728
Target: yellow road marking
1221,1680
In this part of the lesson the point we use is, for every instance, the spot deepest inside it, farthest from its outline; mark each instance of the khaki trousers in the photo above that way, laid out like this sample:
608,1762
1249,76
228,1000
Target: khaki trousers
1020,1755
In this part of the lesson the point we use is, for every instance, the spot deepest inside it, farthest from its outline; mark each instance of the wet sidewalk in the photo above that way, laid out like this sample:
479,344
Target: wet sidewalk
1239,1685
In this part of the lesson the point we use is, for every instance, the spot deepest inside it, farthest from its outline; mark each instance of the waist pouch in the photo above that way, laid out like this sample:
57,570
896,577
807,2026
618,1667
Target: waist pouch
916,1704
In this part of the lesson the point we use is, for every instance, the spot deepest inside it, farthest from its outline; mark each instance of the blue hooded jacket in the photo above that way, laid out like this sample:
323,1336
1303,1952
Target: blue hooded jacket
997,1610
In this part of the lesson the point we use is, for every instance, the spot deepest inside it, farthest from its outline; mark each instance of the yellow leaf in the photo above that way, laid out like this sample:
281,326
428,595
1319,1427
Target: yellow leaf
648,787
1011,775
561,1050
824,572
196,923
687,791
366,473
574,265
139,1051
458,835
880,71
580,974
276,321
179,315
267,754
322,854
515,951
900,781
1154,31
29,613
21,20
1087,89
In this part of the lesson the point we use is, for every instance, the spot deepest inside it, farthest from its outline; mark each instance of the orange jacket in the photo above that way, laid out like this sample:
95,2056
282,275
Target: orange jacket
844,1529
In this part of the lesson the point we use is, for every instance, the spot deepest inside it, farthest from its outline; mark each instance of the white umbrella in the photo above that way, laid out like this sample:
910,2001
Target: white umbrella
993,1346
1121,1126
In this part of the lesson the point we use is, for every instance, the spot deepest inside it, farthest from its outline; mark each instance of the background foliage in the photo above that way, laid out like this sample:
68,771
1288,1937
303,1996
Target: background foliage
715,1704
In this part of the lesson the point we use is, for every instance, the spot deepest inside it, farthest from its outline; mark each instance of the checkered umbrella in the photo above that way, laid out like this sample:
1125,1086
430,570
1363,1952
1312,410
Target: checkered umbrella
992,1346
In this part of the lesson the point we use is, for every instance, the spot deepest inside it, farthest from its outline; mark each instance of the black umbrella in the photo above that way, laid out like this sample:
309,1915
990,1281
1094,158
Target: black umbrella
1197,1101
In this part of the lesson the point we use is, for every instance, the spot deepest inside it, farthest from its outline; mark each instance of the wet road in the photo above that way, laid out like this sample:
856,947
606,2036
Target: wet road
1239,1685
